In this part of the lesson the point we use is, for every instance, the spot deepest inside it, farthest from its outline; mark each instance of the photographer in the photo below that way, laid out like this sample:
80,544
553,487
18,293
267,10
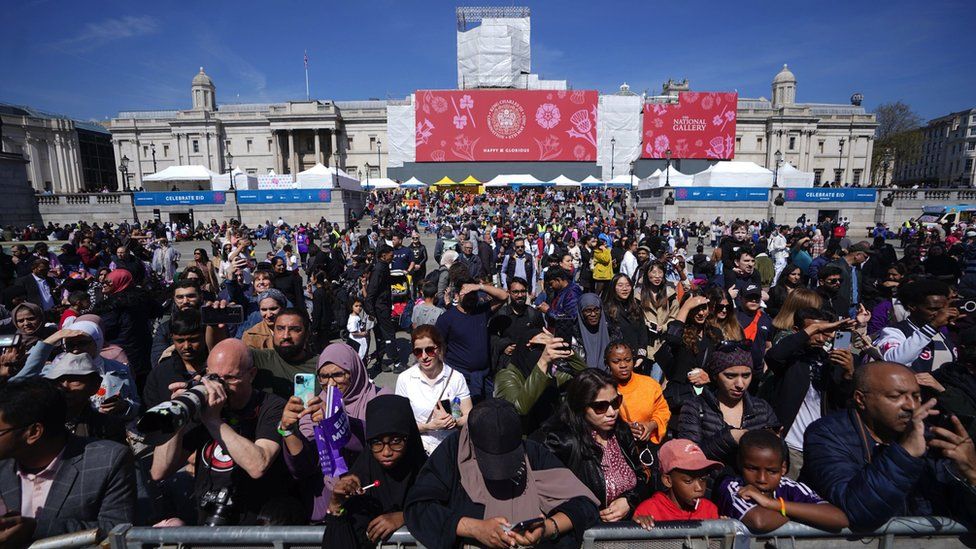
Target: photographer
236,442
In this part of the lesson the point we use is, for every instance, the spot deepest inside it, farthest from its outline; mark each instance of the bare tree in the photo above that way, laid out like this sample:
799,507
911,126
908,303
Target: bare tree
897,137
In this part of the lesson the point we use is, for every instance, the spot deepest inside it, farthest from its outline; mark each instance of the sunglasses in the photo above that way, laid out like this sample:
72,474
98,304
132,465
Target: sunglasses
726,307
520,247
601,406
395,443
421,351
832,281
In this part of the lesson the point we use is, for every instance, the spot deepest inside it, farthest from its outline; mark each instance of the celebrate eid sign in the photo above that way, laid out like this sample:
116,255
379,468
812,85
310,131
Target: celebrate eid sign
177,198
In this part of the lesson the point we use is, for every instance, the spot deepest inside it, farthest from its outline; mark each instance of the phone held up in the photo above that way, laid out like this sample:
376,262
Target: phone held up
305,387
231,314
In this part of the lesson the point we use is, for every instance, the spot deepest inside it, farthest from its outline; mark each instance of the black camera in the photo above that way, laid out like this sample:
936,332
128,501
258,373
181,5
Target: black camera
219,506
162,421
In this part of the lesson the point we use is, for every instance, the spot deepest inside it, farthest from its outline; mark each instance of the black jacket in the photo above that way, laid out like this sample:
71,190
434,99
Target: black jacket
676,360
586,465
959,397
127,322
786,383
379,294
29,284
290,284
702,423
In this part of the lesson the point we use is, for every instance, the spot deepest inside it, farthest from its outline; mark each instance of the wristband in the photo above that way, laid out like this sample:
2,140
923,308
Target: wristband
555,529
285,432
782,506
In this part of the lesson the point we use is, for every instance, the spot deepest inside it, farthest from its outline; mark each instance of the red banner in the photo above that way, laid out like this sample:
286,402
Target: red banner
506,125
700,125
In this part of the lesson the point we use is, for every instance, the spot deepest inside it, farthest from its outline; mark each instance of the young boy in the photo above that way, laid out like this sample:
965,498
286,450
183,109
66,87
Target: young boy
763,499
684,472
77,302
426,312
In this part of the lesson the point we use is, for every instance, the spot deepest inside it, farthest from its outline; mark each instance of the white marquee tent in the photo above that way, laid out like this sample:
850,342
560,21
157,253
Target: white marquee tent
413,183
242,181
183,177
590,180
789,176
507,180
380,184
563,181
324,177
733,174
670,176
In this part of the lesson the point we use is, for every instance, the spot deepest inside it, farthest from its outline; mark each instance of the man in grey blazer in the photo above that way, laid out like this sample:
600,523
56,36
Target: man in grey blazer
51,482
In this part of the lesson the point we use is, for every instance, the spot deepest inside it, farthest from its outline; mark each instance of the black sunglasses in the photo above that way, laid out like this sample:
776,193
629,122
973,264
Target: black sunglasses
601,406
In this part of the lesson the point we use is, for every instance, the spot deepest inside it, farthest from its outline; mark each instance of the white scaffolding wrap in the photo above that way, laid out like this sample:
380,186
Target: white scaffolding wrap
400,134
618,118
494,54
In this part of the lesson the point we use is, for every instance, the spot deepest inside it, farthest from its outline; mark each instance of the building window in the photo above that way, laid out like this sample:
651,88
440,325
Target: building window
249,143
269,144
351,170
838,175
820,145
372,142
971,146
374,172
196,145
252,171
857,177
792,143
817,176
969,165
145,150
310,144
972,131
349,143
165,151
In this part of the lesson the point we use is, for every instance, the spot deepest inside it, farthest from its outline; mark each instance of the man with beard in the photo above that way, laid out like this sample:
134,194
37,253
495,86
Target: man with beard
828,288
186,296
277,367
514,318
878,460
124,259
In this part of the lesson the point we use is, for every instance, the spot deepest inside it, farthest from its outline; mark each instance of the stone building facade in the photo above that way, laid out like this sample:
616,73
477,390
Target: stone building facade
946,156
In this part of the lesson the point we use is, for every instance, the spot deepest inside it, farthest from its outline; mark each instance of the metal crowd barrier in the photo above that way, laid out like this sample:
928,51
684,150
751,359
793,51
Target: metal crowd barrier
900,533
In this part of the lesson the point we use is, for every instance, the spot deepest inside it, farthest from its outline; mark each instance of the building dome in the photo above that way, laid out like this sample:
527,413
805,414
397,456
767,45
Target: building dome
201,79
783,76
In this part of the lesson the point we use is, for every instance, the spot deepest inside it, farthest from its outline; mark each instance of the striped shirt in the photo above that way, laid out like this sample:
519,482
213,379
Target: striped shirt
731,505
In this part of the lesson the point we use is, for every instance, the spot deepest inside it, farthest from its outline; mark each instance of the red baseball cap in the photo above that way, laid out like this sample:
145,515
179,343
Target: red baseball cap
681,453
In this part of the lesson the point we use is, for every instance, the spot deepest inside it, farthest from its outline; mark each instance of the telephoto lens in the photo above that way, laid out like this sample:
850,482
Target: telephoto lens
162,421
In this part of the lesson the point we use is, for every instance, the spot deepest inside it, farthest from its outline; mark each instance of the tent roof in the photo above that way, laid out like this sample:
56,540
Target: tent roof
728,166
193,172
591,179
470,180
564,181
445,181
381,183
786,167
623,179
326,171
413,182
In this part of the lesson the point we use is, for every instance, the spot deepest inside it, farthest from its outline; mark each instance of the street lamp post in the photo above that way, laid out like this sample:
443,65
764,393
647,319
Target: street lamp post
840,160
667,171
124,168
885,164
152,147
230,169
379,164
613,144
779,157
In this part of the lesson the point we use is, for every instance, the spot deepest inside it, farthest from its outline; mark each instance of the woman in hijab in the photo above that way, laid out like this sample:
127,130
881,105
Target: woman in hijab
29,322
526,381
117,395
339,365
593,332
484,479
394,457
126,315
260,335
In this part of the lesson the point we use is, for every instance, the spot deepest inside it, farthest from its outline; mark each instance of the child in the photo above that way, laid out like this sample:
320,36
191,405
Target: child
763,499
77,302
684,472
358,328
426,312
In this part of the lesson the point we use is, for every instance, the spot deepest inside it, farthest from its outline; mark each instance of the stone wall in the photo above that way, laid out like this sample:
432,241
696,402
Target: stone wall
17,206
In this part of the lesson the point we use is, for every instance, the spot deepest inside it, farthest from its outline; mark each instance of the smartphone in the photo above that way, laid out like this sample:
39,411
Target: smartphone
842,340
231,314
527,525
10,340
446,405
305,387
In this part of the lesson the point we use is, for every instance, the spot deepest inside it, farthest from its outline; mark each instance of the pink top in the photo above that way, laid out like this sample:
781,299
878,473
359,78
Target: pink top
619,476
34,487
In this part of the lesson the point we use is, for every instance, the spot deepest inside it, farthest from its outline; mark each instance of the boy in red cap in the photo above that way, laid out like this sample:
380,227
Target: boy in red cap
684,472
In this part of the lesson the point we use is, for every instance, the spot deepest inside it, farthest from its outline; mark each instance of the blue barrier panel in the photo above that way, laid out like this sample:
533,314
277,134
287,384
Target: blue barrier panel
831,195
179,198
724,194
284,196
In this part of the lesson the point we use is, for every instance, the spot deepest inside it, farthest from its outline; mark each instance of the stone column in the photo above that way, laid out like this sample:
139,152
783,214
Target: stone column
292,163
62,183
335,146
318,146
275,153
803,148
866,175
52,160
849,169
76,172
137,170
206,136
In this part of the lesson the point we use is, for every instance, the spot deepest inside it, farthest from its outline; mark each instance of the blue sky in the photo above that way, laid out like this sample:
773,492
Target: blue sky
93,59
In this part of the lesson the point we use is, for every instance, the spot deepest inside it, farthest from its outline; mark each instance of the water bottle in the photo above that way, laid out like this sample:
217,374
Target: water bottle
456,408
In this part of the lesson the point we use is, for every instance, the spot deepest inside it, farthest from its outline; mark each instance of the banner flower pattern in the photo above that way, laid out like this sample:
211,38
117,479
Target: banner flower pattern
700,125
506,125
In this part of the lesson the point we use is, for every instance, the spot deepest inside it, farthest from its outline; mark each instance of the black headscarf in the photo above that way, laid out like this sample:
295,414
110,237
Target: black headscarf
386,415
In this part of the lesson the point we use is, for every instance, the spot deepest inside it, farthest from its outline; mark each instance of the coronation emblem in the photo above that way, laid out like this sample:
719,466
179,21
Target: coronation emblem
506,119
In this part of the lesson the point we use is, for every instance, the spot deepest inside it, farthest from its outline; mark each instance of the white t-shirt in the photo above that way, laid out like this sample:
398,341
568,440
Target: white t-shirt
357,324
809,412
423,394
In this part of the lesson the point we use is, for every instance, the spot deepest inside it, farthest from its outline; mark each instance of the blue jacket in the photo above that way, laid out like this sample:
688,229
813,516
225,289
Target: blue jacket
873,482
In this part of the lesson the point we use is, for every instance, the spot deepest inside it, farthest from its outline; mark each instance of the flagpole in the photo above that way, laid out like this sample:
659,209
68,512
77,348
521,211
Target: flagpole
306,76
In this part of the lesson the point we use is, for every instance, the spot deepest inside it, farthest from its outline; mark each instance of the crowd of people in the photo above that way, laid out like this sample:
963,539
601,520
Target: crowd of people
569,364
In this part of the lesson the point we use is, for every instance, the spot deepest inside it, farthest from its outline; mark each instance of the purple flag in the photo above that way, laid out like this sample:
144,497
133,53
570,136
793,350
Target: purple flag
332,434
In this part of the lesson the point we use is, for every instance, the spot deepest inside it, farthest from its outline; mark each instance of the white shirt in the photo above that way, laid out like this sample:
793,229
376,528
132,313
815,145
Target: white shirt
47,301
809,412
356,324
423,394
628,265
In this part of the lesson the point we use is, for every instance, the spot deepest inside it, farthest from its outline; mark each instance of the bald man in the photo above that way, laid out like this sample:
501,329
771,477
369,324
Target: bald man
237,443
874,462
